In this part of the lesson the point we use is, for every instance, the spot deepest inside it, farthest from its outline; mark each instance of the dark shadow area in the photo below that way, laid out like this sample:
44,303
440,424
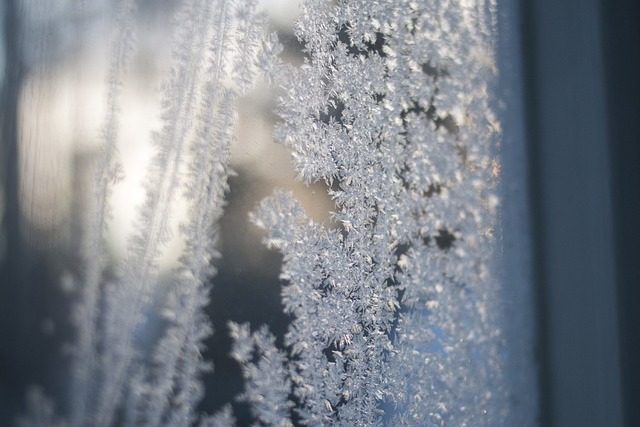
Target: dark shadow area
621,25
582,92
245,289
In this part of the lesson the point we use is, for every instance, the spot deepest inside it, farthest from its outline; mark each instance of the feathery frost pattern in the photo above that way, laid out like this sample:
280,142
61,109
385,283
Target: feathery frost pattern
396,310
396,314
86,366
216,48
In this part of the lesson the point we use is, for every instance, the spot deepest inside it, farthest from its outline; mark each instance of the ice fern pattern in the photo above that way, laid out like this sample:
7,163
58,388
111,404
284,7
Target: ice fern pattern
216,49
395,312
395,306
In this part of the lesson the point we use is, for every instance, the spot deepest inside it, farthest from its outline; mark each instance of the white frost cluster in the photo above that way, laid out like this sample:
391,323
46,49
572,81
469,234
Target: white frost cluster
396,313
216,51
396,310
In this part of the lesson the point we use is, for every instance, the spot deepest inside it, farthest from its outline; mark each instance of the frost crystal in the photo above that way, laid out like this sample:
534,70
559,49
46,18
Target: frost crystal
396,313
217,48
395,309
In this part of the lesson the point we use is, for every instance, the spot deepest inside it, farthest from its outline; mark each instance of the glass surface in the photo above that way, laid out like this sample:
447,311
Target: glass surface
74,94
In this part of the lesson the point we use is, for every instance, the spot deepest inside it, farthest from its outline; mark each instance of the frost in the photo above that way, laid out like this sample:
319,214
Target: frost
215,54
396,314
267,385
395,308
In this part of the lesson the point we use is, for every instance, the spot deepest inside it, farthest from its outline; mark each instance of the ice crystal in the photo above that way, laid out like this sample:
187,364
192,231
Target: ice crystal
395,313
216,50
395,308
